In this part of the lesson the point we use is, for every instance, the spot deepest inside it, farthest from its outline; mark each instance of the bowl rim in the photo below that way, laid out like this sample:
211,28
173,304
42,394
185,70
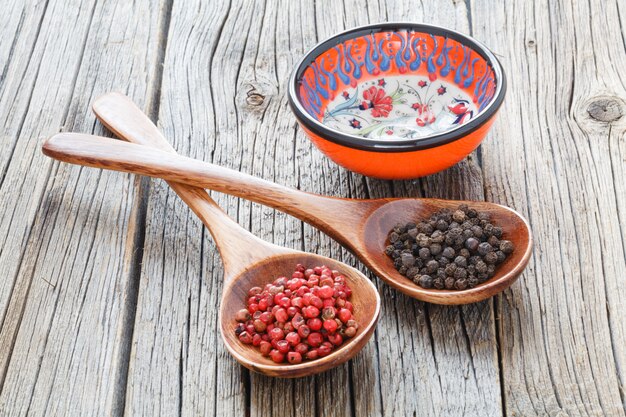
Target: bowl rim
404,145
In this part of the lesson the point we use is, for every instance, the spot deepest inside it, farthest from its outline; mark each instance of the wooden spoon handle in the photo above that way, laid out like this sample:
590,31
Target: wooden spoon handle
334,216
236,245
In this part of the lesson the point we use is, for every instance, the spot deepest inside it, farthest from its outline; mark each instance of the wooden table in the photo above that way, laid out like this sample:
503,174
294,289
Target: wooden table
109,285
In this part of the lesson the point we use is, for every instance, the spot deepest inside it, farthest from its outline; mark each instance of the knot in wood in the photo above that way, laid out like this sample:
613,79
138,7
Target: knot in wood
255,99
605,109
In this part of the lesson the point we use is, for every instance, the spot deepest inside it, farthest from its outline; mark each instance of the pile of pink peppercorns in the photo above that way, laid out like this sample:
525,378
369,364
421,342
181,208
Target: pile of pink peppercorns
304,317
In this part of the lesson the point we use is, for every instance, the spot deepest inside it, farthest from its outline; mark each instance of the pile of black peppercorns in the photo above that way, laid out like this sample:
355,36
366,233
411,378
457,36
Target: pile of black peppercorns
453,250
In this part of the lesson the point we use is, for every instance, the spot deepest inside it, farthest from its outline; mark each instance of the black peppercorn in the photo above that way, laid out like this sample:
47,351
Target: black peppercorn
431,266
408,260
458,216
438,283
448,252
478,231
484,248
389,249
497,232
426,281
402,270
426,228
472,244
464,253
393,237
412,272
438,236
471,213
449,269
442,225
460,261
423,241
501,256
491,258
435,249
493,241
481,267
460,284
424,253
460,273
449,283
506,246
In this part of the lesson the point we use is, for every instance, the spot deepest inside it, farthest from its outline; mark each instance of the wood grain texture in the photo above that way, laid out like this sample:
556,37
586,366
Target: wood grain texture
67,238
551,345
562,332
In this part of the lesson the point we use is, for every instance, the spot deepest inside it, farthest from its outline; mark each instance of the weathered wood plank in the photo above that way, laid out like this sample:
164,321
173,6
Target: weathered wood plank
178,363
67,235
561,330
67,305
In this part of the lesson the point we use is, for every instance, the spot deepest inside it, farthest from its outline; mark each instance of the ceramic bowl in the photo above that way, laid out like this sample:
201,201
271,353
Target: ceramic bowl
397,100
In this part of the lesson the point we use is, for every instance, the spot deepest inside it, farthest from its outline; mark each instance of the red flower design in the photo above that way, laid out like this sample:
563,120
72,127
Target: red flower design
382,82
376,99
442,90
427,118
345,95
355,123
419,107
422,83
458,109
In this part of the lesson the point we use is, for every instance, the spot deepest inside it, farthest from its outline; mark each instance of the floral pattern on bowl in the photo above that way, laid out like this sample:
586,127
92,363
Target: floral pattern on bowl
404,106
399,84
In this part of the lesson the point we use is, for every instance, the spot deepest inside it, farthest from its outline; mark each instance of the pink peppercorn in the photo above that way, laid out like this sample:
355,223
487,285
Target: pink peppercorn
302,317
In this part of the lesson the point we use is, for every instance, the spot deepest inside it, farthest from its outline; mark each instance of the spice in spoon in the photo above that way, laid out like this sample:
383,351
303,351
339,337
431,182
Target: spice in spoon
453,250
305,317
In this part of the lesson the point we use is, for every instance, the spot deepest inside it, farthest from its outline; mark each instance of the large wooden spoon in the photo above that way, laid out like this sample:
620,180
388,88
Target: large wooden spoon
249,262
360,225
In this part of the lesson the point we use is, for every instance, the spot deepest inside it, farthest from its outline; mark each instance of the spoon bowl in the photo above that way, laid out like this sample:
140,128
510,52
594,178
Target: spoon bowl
382,219
364,298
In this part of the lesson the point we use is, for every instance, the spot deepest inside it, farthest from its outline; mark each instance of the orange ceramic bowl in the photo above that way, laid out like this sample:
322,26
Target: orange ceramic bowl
397,100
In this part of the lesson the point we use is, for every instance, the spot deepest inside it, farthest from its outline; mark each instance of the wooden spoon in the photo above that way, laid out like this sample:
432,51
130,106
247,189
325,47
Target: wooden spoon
249,262
360,225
